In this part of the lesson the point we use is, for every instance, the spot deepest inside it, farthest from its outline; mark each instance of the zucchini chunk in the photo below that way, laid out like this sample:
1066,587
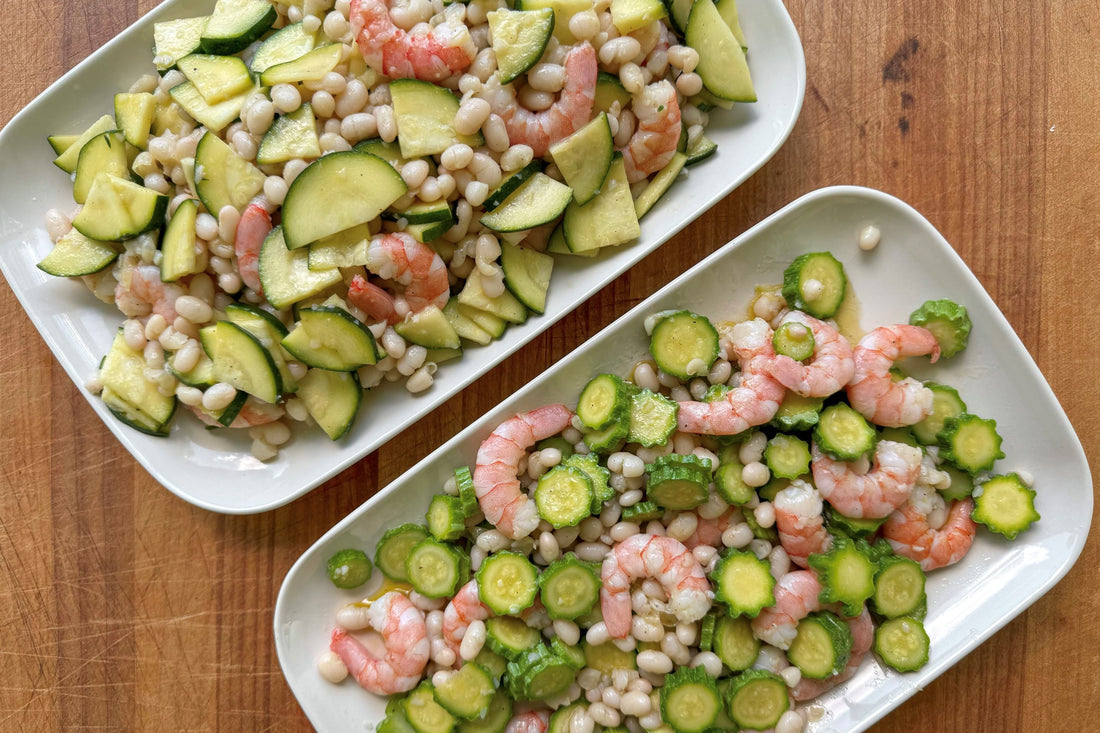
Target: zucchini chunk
794,340
424,714
743,583
329,337
607,657
507,583
734,642
468,693
332,399
509,637
538,200
569,588
174,39
722,63
235,24
608,91
815,283
217,78
652,418
643,511
394,547
689,700
585,157
178,246
446,517
847,574
899,587
519,38
126,392
564,496
948,321
104,153
821,646
970,443
757,698
526,274
214,117
118,209
843,433
678,482
222,177
902,644
684,344
74,255
349,568
597,474
495,719
67,159
285,274
538,674
425,116
660,183
608,219
946,403
293,135
787,456
509,185
286,44
797,413
242,361
1005,504
503,306
730,484
466,493
309,67
430,328
604,400
436,569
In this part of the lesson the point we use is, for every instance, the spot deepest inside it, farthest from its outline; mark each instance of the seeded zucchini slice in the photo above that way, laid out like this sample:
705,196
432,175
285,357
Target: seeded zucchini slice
526,274
1005,504
970,442
847,574
684,344
678,482
605,399
495,719
787,456
539,674
564,496
509,637
843,433
689,700
734,642
329,337
337,192
119,209
757,698
815,283
652,418
899,587
242,361
507,583
468,693
569,588
946,403
743,583
396,544
436,569
902,644
74,255
424,714
821,646
519,38
948,321
309,67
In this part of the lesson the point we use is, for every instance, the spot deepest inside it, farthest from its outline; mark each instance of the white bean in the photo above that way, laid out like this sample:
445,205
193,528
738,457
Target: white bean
567,631
473,640
708,661
548,546
591,551
331,667
764,514
597,634
635,702
654,661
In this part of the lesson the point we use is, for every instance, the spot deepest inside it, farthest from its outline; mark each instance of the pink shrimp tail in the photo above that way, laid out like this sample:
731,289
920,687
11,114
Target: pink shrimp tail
372,300
252,230
654,142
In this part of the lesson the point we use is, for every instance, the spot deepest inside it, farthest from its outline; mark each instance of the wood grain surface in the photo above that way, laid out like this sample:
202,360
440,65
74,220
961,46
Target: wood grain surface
124,608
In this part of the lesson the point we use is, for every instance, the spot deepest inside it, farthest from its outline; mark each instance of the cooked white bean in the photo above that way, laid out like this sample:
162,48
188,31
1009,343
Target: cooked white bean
654,661
567,631
473,640
591,551
331,667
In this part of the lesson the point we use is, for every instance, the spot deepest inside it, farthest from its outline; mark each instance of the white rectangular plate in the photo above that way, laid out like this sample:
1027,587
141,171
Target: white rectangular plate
995,375
215,470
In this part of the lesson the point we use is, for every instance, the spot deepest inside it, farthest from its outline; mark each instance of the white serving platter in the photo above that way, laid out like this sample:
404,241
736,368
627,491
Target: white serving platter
995,375
215,470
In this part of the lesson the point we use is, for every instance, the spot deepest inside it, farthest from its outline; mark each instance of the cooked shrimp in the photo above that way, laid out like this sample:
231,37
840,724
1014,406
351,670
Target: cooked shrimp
496,480
569,113
655,138
462,610
405,636
427,52
756,398
799,521
533,721
910,533
652,556
140,291
709,531
829,369
411,264
378,304
874,393
796,596
874,494
253,413
863,636
252,230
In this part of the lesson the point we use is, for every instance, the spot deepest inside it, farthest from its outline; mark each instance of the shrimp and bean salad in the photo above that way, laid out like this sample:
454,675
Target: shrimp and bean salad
708,543
372,139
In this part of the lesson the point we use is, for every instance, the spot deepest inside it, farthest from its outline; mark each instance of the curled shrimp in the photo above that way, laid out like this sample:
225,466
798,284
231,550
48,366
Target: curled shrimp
756,398
429,53
910,532
411,264
462,610
533,721
378,304
796,597
253,413
652,556
872,390
405,636
872,495
252,230
863,636
569,113
140,291
799,521
829,369
496,480
655,138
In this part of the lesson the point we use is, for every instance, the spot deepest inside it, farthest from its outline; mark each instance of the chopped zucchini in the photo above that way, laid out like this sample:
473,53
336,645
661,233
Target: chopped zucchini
722,64
509,637
843,433
569,588
118,209
503,306
902,644
311,66
349,568
846,573
678,482
285,274
222,177
429,327
1005,504
242,361
468,693
495,719
946,403
466,492
394,547
815,283
286,44
684,344
538,674
743,583
821,646
174,39
178,256
519,38
103,154
787,456
608,219
608,439
538,200
564,496
133,399
507,583
734,642
730,484
332,399
216,78
526,274
293,135
643,511
652,418
601,488
948,321
970,443
424,714
757,698
328,337
660,183
962,483
74,255
689,700
425,116
797,413
67,159
436,569
584,158
604,400
235,24
794,340
607,658
899,587
446,517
